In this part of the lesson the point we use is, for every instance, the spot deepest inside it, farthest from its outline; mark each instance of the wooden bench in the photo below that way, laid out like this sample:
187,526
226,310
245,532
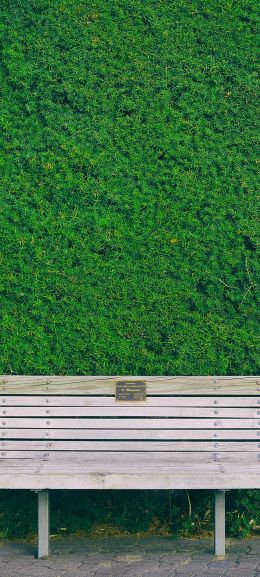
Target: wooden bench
130,433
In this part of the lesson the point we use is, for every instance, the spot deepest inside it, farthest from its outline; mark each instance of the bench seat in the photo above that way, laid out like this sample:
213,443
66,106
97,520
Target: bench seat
131,470
76,433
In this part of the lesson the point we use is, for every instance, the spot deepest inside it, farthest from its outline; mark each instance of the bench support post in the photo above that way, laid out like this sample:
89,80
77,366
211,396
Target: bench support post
43,524
220,523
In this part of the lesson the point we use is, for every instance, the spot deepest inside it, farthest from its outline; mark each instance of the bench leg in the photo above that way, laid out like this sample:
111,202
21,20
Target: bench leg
220,523
43,524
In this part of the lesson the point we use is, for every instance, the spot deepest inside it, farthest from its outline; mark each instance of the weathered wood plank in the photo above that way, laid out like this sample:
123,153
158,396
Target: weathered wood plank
152,434
122,423
98,401
116,461
149,446
200,479
133,411
163,385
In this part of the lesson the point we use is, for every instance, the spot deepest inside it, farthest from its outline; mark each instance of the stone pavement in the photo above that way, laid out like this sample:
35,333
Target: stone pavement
131,557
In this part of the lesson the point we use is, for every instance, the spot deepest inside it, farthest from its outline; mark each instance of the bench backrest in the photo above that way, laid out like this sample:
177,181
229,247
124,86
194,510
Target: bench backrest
72,432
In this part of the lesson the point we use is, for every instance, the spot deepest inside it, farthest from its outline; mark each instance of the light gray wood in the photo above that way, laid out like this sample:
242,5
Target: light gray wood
149,446
199,478
164,385
118,460
43,524
98,401
133,411
220,524
104,423
152,434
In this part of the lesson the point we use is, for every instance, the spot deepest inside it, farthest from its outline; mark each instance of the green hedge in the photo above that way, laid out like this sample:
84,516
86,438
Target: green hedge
104,513
128,193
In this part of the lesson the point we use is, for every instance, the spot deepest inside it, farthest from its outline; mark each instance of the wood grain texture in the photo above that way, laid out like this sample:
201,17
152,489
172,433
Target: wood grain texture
122,423
132,460
69,432
152,434
149,446
105,385
98,401
133,411
199,479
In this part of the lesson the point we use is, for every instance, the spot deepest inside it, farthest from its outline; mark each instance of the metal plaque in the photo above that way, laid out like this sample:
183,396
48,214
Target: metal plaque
131,391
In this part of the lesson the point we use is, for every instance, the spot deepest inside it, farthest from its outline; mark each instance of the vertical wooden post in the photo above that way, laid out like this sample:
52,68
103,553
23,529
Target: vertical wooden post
43,524
220,523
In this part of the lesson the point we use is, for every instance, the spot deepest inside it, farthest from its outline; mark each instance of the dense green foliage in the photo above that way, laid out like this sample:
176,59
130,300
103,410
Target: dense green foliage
128,212
128,204
110,512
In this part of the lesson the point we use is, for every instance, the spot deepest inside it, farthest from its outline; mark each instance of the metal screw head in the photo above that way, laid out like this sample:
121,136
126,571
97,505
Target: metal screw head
3,401
215,402
216,412
216,445
4,434
3,423
215,435
216,423
48,422
48,412
258,401
5,412
3,454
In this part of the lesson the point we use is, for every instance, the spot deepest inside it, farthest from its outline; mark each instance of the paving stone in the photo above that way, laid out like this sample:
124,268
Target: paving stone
129,557
206,574
251,563
177,558
80,573
153,573
249,572
186,571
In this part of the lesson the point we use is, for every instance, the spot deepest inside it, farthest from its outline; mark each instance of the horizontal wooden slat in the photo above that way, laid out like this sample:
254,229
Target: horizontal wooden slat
93,423
153,434
150,446
133,411
133,458
163,385
210,478
115,462
98,401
